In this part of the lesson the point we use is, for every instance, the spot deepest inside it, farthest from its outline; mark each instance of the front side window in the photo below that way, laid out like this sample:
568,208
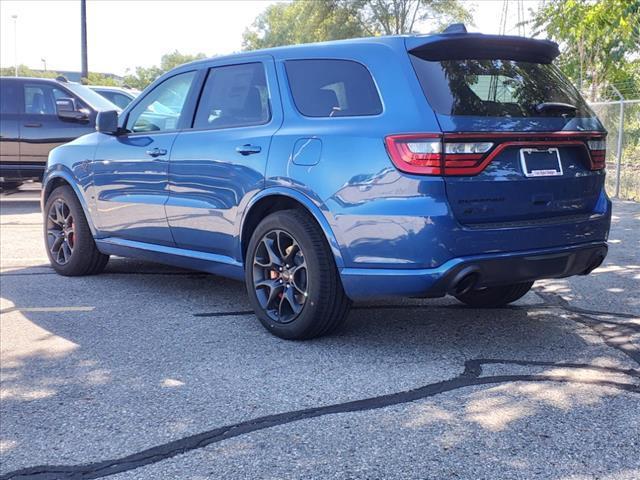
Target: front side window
332,88
234,96
41,99
160,110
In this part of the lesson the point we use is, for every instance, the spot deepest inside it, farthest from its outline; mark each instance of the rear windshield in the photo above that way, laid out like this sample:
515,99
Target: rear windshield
497,88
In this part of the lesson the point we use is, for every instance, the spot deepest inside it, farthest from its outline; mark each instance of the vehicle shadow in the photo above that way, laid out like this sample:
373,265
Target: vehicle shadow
145,354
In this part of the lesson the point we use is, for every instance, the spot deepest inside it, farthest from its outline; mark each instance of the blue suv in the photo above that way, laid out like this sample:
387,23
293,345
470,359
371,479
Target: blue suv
456,163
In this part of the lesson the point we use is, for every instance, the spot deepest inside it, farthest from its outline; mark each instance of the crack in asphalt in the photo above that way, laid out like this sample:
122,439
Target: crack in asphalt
614,334
471,376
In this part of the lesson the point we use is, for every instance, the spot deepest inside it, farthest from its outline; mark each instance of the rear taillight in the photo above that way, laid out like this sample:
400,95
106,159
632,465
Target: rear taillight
598,151
466,154
464,158
424,154
420,154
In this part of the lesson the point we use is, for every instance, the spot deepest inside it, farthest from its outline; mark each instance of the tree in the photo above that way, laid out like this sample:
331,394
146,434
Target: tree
143,76
309,21
600,41
101,79
24,71
393,17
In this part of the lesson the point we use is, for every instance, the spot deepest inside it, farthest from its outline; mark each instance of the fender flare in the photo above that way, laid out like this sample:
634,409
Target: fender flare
64,174
316,212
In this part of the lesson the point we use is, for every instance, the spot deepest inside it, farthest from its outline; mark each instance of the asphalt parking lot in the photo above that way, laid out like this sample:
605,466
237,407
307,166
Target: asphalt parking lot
150,372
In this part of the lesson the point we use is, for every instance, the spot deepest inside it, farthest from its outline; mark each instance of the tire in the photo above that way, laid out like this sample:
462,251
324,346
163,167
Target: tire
300,244
65,223
4,186
492,297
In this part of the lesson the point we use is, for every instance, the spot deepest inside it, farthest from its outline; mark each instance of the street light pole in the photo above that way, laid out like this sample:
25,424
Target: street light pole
83,40
15,42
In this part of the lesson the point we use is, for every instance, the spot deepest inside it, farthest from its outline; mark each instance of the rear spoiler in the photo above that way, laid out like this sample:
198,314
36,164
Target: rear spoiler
459,45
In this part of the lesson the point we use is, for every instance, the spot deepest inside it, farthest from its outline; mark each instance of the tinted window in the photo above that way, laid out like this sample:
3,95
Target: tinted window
9,97
161,109
116,98
88,96
40,99
332,88
234,96
496,88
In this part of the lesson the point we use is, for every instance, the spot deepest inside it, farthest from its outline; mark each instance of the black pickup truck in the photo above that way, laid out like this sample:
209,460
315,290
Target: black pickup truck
38,114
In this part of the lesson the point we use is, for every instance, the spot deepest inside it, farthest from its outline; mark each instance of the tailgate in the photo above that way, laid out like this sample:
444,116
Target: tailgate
530,181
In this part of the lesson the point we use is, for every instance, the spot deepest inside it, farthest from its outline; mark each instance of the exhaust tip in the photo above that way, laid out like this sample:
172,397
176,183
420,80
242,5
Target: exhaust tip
464,282
595,263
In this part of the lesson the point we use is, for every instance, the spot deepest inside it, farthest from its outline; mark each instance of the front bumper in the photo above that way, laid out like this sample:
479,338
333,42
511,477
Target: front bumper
488,270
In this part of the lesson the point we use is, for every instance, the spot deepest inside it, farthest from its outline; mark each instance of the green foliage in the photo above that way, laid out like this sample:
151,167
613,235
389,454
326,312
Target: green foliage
24,71
100,79
143,76
600,41
305,22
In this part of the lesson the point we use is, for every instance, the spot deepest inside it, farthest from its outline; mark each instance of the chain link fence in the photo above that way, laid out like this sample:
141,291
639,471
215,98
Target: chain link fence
622,121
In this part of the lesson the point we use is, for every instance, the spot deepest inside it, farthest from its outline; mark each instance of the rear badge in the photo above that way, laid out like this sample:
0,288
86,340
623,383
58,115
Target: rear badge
543,162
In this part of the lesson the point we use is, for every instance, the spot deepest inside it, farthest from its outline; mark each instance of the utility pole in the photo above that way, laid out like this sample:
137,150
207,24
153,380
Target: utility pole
15,42
83,40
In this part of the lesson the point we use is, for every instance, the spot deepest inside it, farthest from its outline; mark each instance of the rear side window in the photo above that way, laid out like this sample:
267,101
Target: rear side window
496,88
116,98
234,96
332,88
9,97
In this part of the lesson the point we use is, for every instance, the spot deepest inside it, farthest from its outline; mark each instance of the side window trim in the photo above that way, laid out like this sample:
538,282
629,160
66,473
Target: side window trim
207,72
184,114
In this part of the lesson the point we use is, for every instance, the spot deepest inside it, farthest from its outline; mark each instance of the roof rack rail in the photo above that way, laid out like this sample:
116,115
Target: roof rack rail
455,28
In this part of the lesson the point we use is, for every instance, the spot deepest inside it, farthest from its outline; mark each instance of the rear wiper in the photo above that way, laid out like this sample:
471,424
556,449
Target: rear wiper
543,107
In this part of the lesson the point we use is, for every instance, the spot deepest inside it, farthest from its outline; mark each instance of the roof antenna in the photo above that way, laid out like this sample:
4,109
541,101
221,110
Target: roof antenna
455,28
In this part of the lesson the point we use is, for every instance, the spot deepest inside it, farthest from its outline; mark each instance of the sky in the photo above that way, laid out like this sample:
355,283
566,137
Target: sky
125,34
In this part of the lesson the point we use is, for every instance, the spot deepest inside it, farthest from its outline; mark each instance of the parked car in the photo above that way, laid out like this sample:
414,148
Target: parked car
37,115
116,95
456,163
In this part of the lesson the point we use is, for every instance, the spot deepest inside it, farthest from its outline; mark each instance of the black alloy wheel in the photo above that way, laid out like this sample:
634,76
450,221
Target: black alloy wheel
291,277
280,276
61,233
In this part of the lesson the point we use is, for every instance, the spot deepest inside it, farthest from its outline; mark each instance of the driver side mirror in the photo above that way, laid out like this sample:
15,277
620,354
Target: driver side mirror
67,109
107,122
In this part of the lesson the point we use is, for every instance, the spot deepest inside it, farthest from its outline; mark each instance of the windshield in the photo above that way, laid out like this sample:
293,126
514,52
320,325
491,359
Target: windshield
95,100
498,88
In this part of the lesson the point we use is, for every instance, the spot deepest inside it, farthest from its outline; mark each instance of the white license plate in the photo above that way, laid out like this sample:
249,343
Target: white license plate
544,162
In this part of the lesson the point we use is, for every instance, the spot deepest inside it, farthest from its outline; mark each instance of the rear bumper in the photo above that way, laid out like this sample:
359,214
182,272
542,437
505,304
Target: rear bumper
487,270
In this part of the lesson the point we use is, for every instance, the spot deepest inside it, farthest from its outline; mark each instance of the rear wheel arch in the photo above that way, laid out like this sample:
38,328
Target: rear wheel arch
275,202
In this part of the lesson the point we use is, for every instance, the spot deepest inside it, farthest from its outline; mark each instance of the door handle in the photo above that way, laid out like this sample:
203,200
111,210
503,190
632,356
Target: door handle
33,125
156,152
248,149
